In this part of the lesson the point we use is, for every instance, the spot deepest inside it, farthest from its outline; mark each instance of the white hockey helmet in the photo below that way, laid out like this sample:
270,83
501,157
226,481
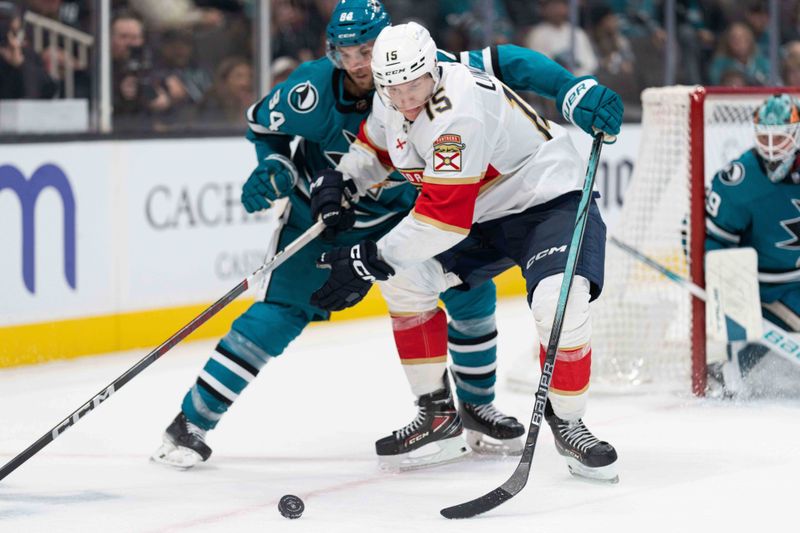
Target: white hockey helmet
402,54
777,130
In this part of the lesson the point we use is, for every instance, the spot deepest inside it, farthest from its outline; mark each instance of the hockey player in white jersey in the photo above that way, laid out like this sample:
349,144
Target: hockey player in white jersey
500,187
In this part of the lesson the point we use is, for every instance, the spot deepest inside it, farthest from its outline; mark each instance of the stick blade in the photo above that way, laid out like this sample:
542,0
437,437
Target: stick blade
487,502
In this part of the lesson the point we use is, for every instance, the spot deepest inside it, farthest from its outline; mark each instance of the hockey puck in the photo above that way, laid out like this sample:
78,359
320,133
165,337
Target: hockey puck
291,506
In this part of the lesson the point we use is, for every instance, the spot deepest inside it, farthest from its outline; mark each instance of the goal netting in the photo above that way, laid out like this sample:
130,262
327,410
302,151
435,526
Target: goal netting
648,331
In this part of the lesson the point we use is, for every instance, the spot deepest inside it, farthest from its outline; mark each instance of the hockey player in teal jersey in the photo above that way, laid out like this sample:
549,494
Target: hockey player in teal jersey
323,103
755,202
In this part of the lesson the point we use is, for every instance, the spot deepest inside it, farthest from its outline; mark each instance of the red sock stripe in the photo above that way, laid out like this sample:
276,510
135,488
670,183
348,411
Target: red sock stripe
424,341
573,368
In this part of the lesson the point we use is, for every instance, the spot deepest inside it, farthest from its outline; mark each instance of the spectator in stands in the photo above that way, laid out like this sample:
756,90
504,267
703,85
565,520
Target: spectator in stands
552,37
616,61
138,97
472,24
186,81
74,13
524,14
638,18
22,74
695,40
790,65
734,77
295,32
233,92
281,68
737,49
756,16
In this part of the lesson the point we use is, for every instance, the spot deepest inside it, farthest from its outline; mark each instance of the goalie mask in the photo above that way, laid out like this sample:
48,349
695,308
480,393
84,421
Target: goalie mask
777,131
354,22
403,54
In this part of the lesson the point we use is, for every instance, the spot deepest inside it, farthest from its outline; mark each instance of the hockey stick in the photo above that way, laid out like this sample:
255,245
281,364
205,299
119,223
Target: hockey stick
774,337
519,478
277,260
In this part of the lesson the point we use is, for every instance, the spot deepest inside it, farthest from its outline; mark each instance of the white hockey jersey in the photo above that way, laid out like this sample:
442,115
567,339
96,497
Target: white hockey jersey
477,151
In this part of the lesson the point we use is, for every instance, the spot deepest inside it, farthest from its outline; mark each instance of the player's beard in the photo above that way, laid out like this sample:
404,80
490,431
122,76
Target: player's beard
361,83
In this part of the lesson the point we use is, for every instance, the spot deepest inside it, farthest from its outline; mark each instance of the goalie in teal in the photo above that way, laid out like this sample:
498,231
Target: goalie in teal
322,104
755,202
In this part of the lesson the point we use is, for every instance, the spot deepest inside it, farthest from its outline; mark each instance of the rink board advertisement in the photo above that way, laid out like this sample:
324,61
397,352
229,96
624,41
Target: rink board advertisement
112,245
106,243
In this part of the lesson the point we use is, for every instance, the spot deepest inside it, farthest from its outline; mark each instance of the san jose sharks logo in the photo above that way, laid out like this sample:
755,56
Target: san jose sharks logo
733,174
373,192
303,97
792,227
333,156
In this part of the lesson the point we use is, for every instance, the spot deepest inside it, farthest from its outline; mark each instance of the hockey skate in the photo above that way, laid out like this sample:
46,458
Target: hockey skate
587,456
433,437
183,445
491,432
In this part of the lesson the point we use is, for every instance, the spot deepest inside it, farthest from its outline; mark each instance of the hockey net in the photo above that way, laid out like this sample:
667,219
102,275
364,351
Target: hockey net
647,330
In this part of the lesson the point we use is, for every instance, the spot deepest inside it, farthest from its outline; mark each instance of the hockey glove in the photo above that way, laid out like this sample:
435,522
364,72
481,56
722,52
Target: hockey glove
273,178
591,106
328,193
353,270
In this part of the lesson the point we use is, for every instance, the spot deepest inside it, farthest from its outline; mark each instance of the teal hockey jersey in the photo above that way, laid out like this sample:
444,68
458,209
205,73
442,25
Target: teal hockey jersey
744,208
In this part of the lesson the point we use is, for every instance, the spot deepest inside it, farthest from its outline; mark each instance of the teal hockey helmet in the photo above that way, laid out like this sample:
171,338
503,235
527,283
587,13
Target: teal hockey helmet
354,22
777,130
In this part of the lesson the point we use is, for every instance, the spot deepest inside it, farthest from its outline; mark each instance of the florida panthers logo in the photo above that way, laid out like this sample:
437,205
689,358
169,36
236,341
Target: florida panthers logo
303,97
447,153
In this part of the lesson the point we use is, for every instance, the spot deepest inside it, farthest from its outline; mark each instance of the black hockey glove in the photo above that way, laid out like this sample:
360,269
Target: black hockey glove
328,193
353,270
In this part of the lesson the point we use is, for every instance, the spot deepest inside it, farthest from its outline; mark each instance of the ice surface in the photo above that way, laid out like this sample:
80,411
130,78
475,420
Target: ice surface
307,426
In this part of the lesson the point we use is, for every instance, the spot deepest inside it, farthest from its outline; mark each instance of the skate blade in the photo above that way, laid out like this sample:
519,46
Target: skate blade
601,474
176,457
435,453
485,445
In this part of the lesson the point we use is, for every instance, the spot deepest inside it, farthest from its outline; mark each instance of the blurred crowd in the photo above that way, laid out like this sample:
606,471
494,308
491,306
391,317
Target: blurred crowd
189,64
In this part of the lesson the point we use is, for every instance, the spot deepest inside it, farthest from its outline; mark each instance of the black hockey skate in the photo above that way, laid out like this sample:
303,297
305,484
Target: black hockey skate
586,456
433,437
183,445
491,432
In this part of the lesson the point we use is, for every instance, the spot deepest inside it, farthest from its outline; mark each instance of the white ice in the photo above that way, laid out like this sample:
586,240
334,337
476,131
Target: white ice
307,425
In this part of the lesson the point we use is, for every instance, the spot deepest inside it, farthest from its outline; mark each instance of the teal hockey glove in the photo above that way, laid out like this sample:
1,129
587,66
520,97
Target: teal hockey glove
274,178
591,106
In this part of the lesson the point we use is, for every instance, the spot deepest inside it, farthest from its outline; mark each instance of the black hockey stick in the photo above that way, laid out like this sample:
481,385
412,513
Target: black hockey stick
519,478
166,346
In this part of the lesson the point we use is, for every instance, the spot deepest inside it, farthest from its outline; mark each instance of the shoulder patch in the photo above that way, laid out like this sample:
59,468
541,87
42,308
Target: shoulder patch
303,97
447,153
733,174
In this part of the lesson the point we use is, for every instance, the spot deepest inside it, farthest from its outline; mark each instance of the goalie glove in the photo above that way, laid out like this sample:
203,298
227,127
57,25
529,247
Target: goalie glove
330,192
592,107
353,270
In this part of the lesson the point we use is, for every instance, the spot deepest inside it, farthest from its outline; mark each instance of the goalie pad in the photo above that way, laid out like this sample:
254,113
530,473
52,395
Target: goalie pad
733,305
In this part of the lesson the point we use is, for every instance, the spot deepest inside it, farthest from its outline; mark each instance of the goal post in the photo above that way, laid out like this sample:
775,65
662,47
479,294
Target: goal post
646,329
